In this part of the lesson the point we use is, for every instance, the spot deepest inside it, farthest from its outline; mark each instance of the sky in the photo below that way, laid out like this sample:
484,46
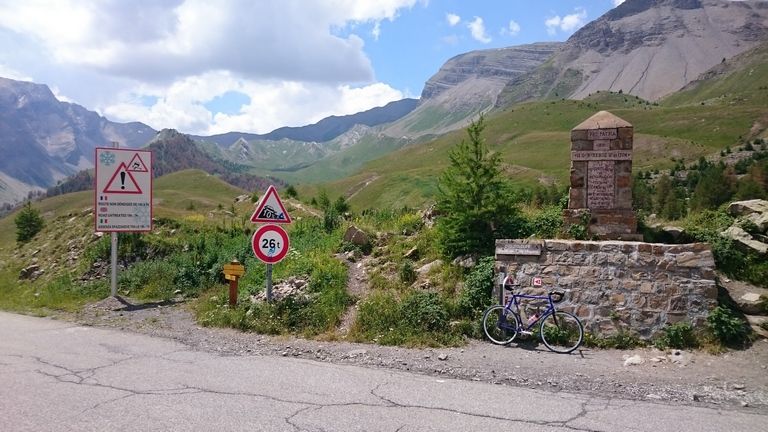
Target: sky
213,66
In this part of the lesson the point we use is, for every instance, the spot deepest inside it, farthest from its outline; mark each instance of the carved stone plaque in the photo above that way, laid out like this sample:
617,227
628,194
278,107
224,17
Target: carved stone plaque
602,134
602,145
601,193
612,155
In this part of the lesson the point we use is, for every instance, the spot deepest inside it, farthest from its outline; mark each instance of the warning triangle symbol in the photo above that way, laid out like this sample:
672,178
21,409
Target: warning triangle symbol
122,182
270,209
137,165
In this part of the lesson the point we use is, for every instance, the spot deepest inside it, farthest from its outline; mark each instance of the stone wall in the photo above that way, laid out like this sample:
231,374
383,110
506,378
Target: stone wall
616,286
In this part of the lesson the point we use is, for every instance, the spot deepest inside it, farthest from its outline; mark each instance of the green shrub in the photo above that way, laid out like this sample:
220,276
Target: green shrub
407,273
548,223
378,319
424,311
475,297
729,329
621,340
679,335
28,223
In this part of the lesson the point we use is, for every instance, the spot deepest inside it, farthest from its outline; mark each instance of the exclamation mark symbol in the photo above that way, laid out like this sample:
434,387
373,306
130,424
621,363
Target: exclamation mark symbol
122,179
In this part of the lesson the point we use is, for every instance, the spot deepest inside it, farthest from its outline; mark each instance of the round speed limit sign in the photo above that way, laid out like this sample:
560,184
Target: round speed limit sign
270,243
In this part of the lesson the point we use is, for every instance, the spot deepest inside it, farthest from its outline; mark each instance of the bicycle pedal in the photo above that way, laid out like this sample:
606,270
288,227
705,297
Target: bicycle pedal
526,333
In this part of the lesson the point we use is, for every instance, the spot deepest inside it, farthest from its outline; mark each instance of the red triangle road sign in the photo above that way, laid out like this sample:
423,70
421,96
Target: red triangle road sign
137,165
122,182
270,209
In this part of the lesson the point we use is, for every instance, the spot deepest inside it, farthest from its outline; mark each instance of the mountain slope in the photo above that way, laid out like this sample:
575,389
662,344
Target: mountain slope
466,85
325,130
724,107
173,151
43,140
647,48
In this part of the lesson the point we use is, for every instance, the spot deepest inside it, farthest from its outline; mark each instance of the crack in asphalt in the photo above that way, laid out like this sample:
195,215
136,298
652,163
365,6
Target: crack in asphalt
82,375
584,411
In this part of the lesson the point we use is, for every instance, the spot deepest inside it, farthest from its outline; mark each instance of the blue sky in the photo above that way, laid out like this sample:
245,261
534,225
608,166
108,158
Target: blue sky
212,66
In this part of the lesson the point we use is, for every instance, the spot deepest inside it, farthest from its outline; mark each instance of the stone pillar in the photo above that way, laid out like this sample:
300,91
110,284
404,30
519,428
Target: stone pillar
601,178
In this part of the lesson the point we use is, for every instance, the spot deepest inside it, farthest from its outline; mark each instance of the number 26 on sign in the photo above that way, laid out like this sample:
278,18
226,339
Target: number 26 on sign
270,243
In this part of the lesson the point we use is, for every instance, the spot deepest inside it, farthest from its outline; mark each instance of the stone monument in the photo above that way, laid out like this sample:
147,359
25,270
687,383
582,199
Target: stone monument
601,178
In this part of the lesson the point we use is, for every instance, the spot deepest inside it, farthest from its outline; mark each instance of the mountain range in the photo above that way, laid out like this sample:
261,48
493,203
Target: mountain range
646,48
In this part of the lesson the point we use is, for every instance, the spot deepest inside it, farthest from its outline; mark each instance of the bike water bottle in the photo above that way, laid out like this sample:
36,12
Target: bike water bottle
532,319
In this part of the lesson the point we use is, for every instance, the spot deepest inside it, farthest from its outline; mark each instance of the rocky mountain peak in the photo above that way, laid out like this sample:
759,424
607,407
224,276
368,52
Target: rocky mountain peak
501,65
633,7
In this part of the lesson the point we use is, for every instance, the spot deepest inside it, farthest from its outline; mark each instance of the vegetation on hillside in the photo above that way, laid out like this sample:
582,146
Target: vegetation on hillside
28,223
474,199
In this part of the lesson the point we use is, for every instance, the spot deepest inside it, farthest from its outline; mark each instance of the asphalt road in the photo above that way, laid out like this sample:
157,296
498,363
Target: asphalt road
56,376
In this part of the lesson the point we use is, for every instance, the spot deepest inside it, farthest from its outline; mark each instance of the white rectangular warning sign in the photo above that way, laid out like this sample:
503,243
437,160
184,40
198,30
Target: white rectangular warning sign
123,193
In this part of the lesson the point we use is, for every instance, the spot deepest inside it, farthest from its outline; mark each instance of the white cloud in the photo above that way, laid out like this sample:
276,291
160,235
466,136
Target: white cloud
272,104
512,29
568,23
617,2
162,41
452,19
477,28
162,61
9,72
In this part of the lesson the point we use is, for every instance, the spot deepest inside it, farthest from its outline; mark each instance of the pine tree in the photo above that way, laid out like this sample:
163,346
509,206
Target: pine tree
475,200
28,223
713,189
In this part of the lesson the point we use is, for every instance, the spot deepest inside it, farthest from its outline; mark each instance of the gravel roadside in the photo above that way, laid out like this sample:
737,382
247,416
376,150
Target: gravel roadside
734,380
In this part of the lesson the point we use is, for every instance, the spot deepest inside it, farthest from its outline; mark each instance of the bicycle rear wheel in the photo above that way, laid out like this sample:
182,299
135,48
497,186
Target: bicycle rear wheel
500,326
562,332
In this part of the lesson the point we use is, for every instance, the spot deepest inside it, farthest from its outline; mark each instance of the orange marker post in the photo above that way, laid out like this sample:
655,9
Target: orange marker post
232,273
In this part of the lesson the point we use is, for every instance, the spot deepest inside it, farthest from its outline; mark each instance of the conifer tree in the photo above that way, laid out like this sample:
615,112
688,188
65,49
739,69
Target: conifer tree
28,223
475,201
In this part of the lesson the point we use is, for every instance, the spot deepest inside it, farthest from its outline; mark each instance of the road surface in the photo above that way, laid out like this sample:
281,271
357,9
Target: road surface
57,376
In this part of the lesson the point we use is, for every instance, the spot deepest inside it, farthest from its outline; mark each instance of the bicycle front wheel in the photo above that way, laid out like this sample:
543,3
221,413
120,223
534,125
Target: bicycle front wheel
500,325
562,332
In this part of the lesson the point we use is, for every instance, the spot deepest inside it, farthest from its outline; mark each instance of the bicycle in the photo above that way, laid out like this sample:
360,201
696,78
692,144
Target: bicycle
561,331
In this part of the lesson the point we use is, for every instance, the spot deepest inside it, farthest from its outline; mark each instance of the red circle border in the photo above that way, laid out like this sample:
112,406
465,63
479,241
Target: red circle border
257,251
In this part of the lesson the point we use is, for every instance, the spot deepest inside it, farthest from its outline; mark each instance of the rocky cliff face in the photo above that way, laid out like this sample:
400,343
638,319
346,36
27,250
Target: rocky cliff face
466,85
43,140
495,65
648,48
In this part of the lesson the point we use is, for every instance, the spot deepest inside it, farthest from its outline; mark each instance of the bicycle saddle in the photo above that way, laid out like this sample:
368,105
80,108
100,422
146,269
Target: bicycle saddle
557,296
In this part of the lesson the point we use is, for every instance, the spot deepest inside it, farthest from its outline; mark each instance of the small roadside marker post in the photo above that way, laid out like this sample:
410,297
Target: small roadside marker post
232,273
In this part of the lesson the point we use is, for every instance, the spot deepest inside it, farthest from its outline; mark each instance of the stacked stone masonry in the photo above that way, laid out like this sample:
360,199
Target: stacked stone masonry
615,286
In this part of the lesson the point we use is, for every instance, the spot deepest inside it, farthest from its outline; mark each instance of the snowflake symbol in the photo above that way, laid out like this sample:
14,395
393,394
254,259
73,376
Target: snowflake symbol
141,216
107,158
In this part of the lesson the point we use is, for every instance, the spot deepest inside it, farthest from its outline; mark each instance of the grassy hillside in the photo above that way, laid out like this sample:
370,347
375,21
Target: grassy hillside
180,194
534,141
723,108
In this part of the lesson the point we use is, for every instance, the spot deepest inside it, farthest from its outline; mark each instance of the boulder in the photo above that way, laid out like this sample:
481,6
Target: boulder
750,299
429,266
413,253
30,272
673,231
760,220
744,240
465,261
356,236
743,208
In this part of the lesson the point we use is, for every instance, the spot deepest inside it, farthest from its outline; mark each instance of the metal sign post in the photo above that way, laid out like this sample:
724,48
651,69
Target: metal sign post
270,243
122,196
113,263
113,260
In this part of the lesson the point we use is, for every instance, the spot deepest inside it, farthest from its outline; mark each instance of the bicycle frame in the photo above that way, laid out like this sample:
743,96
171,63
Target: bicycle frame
514,301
